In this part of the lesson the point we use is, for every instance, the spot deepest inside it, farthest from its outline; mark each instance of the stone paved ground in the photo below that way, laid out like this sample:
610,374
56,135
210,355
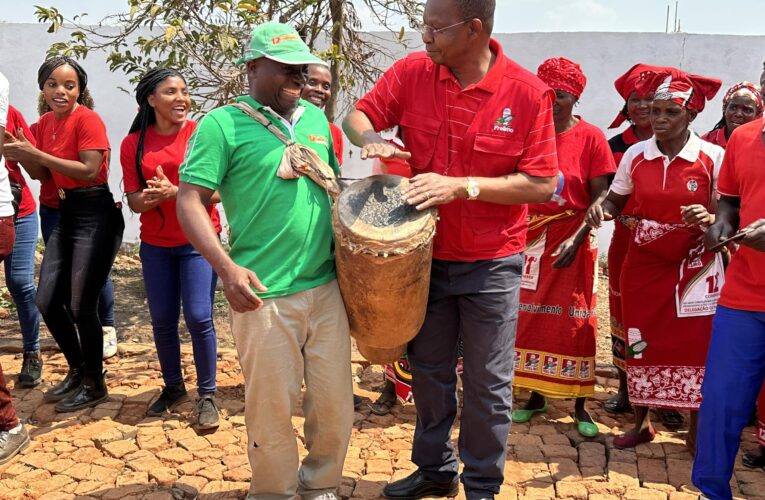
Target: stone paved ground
114,452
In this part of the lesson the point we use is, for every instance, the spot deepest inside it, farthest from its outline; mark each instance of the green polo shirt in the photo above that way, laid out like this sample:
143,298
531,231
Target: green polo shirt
280,229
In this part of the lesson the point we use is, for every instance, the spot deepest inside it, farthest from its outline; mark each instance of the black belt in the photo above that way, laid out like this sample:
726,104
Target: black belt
83,192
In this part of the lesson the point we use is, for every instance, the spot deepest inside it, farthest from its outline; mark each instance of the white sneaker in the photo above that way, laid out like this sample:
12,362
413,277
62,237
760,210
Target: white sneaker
110,341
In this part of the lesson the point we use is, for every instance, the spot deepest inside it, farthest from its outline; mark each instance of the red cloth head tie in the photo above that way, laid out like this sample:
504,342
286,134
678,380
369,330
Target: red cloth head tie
625,86
561,74
745,89
690,91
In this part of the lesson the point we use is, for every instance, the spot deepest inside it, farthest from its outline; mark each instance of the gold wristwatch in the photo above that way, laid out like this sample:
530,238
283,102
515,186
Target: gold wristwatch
472,188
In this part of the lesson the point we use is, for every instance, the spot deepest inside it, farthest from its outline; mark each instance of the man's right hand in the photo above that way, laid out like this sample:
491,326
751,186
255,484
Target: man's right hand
237,286
384,150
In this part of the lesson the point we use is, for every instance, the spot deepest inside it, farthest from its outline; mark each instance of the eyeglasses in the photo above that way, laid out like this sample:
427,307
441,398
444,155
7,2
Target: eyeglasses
430,30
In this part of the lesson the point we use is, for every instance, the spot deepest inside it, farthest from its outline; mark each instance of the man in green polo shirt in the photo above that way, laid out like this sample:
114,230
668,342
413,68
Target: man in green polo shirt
288,319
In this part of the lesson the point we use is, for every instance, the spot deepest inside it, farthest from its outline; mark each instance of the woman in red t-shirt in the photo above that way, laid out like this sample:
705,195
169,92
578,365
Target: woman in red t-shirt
174,273
555,352
72,147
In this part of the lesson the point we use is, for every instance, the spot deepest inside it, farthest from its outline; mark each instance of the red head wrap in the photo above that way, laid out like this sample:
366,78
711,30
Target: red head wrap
745,89
561,74
626,84
690,91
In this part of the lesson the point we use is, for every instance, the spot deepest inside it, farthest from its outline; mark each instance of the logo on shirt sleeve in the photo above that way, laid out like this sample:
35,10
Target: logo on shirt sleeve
503,122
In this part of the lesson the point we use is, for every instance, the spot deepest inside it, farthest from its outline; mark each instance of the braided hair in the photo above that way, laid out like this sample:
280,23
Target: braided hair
146,116
48,67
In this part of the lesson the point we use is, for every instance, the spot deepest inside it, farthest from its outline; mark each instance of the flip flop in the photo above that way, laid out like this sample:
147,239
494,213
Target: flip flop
522,416
586,429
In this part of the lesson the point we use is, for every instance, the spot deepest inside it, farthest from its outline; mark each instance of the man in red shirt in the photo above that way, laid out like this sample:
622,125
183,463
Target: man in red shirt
735,368
481,141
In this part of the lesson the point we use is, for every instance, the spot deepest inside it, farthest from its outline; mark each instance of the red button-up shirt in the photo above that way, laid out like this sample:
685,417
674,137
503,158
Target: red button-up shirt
501,125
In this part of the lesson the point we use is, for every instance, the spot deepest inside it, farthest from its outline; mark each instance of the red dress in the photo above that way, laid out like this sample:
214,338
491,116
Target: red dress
617,251
669,284
557,324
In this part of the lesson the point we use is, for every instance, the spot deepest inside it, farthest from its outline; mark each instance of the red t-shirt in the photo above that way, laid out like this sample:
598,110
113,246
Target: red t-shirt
337,142
583,154
743,176
81,130
159,227
16,121
716,136
48,193
498,126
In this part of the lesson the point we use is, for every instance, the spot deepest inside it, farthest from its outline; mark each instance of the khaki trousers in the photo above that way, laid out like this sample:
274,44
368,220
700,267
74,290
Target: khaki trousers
300,337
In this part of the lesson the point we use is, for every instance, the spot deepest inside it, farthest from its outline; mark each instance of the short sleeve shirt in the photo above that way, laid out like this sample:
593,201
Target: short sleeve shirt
743,176
81,130
280,228
658,187
496,127
16,121
6,198
159,227
583,154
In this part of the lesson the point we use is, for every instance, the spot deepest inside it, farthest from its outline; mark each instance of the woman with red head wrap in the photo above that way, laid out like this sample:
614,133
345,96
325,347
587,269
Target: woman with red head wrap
555,347
636,111
668,335
742,103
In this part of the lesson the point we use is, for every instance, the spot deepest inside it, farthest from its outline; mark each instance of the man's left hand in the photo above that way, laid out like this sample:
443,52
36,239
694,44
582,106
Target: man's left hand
430,190
756,235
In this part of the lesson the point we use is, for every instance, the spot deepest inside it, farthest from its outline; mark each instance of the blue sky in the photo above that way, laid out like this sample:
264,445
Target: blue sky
734,17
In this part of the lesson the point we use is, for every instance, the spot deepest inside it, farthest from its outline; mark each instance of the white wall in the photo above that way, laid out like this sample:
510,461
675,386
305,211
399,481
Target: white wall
603,57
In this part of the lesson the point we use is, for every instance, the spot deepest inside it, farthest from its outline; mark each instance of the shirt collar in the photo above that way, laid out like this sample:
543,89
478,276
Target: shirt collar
491,81
690,151
255,104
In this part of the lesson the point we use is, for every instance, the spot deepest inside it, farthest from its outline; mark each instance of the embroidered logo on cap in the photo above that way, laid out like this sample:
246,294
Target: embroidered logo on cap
503,122
283,38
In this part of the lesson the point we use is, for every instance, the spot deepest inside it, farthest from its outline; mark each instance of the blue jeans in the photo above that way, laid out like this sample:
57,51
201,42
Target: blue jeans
174,276
735,372
20,278
49,218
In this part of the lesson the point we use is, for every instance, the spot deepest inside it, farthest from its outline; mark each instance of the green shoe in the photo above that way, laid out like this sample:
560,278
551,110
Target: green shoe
586,429
522,416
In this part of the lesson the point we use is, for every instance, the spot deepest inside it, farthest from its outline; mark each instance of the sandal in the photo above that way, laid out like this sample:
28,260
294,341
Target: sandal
617,404
383,404
755,459
672,419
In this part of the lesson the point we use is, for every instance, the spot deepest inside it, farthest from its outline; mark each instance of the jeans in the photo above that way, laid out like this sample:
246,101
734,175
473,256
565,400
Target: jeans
174,276
49,218
734,373
476,302
20,278
77,261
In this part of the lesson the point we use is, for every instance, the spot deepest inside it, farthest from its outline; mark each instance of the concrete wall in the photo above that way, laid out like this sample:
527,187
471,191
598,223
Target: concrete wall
603,56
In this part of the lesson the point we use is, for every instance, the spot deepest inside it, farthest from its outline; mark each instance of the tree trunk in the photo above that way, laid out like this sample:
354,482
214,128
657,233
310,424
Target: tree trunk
337,11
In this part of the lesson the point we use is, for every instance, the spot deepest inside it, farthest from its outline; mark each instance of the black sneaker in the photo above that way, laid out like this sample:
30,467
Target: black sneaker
207,413
31,369
170,398
12,444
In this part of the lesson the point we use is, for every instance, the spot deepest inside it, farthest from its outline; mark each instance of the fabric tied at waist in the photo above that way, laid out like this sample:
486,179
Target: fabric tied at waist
537,221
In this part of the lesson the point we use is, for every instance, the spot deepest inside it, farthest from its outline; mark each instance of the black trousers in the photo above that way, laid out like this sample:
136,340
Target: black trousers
76,263
478,303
